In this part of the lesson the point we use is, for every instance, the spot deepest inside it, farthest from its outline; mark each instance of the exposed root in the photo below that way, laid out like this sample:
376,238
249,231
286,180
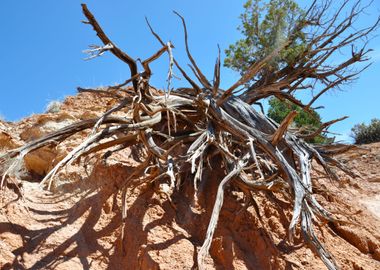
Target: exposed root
181,131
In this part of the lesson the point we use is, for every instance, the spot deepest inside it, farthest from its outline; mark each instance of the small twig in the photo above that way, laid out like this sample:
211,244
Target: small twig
97,51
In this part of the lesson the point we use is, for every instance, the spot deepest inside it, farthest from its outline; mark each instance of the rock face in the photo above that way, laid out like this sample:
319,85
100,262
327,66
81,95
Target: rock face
7,141
43,160
78,224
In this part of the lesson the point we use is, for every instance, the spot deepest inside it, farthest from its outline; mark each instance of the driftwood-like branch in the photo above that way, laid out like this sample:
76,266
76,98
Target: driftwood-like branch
181,133
327,34
252,71
277,136
155,56
114,49
216,75
322,128
202,78
203,252
184,74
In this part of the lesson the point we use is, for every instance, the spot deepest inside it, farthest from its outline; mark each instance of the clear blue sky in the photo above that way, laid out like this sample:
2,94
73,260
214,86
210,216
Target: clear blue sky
41,47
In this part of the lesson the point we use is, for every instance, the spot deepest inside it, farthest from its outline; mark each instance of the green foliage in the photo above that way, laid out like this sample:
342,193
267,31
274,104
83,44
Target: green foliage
367,134
307,122
278,110
266,26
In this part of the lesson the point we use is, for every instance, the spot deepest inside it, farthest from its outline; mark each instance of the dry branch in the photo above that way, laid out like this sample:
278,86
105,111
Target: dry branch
195,125
113,48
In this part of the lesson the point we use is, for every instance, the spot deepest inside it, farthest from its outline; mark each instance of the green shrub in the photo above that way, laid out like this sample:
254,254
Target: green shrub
366,134
306,122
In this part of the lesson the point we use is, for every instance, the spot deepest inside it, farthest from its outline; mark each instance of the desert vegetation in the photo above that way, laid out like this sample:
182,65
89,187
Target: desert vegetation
370,133
180,134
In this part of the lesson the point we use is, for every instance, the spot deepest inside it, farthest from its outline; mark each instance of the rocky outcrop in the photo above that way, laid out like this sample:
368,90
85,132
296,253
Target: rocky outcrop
42,160
78,224
7,141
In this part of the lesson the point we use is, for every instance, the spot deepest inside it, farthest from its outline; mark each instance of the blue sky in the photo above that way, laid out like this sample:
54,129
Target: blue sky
41,55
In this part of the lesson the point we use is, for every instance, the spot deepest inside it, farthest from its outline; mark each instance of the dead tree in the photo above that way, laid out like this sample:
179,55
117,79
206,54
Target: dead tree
207,124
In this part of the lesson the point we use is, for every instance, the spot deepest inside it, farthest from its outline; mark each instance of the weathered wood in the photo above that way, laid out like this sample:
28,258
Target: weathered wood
115,50
180,132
